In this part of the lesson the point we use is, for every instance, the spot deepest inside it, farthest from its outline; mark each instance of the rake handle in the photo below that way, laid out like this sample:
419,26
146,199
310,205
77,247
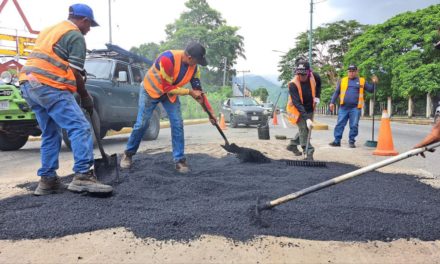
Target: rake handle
347,176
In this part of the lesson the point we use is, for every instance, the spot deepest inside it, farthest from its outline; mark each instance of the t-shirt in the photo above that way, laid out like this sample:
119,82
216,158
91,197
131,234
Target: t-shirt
72,48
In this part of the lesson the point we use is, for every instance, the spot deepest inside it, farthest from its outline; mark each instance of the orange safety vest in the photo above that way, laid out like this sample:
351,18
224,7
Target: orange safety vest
292,112
45,65
153,80
344,87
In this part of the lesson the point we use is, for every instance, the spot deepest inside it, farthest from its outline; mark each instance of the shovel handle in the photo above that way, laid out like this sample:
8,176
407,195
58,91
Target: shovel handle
98,140
211,117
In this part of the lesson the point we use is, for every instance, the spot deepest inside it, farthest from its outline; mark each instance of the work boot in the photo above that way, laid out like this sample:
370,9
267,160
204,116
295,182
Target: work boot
351,145
49,185
182,167
335,144
87,182
294,149
126,161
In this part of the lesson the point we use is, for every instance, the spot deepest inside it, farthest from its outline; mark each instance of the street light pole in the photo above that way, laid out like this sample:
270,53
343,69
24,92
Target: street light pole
110,20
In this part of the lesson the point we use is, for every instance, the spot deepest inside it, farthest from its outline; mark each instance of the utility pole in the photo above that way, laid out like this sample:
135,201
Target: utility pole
243,80
110,20
311,30
225,60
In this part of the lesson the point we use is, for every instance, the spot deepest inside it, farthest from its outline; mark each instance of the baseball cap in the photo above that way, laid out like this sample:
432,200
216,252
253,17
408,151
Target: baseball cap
197,51
303,61
83,10
352,67
301,69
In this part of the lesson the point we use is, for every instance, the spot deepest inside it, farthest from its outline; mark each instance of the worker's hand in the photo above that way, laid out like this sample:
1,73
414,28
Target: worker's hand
87,104
213,119
309,123
332,107
374,79
423,153
316,101
196,94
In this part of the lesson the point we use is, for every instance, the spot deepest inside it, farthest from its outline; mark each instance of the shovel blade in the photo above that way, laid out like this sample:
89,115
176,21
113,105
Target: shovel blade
106,169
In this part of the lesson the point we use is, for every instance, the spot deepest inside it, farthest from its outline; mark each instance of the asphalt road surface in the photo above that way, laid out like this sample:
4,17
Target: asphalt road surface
404,135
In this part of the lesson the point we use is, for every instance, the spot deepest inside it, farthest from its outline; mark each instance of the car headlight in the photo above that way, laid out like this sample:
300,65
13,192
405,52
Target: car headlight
239,112
6,77
265,112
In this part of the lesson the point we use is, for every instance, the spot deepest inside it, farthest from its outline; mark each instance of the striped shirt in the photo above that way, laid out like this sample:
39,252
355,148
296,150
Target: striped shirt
72,48
165,64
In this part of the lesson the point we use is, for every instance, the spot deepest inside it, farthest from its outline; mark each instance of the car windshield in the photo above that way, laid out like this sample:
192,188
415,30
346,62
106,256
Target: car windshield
100,69
245,101
268,105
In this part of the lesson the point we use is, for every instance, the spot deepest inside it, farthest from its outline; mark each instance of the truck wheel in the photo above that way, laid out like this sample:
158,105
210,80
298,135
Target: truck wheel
153,128
95,117
10,142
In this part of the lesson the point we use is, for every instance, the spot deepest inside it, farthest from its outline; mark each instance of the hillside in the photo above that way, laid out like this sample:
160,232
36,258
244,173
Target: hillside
254,82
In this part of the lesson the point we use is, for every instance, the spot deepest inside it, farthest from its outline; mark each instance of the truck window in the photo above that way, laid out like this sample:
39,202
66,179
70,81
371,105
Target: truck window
137,75
119,68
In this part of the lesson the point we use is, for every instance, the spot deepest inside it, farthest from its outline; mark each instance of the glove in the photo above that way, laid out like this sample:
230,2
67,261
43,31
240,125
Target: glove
309,123
317,101
87,104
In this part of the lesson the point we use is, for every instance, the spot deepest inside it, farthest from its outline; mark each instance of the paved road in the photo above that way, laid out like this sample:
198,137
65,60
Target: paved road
405,136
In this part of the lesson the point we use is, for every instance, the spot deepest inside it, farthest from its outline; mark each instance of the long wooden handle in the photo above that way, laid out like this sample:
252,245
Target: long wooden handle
211,117
98,140
350,175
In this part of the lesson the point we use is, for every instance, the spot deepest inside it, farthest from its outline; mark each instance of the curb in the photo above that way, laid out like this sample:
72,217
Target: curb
319,126
126,130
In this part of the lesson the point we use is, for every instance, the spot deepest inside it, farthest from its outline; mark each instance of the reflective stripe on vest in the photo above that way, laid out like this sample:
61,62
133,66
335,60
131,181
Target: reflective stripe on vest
153,80
344,87
292,112
45,64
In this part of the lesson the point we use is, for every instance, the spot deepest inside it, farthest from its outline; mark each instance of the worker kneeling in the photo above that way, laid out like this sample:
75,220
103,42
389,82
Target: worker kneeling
300,106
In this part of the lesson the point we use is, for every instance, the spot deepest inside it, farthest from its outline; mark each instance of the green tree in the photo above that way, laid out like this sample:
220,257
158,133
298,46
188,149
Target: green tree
148,50
203,24
330,43
262,93
400,51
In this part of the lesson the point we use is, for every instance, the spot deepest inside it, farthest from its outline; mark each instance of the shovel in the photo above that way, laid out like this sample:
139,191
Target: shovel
244,154
106,168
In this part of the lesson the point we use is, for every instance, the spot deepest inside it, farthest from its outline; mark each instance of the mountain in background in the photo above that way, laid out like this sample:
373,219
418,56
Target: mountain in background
254,82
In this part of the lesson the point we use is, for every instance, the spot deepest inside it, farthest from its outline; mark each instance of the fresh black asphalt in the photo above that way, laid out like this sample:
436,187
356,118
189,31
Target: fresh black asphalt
219,196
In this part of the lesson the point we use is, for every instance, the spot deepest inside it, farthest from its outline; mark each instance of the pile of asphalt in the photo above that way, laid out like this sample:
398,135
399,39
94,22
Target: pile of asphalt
219,197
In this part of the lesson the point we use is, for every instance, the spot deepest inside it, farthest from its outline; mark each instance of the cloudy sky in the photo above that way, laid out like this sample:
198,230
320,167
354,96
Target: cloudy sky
265,25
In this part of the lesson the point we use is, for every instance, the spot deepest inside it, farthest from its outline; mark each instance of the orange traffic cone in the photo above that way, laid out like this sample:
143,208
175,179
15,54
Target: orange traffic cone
222,122
385,146
275,118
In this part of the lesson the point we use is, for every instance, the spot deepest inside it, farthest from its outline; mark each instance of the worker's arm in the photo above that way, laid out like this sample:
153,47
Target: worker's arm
433,137
296,100
196,85
335,96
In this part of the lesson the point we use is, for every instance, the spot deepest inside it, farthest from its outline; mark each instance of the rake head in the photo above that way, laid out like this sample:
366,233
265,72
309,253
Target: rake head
306,163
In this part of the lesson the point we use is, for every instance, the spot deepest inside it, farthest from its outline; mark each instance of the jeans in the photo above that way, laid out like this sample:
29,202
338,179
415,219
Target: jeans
145,111
56,109
302,135
347,114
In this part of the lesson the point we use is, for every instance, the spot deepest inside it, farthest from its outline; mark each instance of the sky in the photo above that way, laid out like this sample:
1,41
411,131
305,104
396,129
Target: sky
265,25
